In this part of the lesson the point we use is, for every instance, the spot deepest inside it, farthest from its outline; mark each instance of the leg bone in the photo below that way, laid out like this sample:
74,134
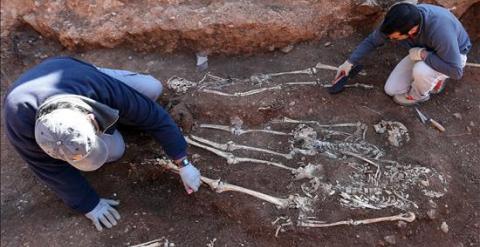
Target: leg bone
408,217
241,94
293,121
219,187
237,131
231,146
232,159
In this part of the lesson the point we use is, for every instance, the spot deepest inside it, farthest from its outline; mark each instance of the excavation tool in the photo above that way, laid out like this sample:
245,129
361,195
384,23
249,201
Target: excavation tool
342,80
424,119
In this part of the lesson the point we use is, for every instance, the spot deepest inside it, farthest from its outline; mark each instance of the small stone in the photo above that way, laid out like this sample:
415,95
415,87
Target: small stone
402,224
425,183
457,115
287,48
292,103
327,44
472,124
444,227
390,239
271,48
130,57
432,214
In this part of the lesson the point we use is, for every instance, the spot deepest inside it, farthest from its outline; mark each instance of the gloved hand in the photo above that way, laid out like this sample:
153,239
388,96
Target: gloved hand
417,53
104,213
344,69
190,178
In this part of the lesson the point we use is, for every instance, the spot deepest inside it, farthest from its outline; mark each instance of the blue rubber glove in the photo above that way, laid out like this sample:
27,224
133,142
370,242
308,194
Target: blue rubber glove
190,178
104,213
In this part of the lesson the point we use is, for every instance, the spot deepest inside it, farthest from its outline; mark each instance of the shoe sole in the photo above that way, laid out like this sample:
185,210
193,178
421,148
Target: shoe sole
411,104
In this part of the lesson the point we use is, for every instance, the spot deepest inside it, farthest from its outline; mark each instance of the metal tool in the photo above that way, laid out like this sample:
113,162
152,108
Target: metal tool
424,119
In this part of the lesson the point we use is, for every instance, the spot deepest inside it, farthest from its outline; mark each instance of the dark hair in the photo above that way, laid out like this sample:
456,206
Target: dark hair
400,18
47,108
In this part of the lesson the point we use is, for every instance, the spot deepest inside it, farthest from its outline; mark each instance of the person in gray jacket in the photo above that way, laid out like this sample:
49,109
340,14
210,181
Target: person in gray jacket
438,50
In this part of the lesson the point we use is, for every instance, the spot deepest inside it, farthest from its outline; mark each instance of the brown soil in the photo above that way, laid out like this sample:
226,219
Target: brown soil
154,204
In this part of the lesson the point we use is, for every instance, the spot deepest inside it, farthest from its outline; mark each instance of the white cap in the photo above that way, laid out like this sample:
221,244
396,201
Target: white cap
69,135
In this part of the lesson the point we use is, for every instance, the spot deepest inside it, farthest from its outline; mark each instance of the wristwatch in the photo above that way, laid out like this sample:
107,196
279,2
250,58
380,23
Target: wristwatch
184,162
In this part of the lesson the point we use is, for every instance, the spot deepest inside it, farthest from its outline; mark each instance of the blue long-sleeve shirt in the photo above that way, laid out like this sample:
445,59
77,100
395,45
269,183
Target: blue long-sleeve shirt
33,87
440,32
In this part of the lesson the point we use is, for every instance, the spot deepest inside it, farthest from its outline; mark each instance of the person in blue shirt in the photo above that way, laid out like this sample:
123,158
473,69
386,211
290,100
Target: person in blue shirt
60,116
438,50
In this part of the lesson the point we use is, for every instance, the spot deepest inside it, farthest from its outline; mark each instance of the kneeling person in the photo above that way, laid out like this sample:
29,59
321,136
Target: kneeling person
60,116
438,50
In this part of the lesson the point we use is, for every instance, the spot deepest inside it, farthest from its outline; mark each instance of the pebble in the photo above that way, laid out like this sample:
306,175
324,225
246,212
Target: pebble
457,115
472,124
425,183
287,48
402,224
327,44
390,239
444,227
292,103
432,214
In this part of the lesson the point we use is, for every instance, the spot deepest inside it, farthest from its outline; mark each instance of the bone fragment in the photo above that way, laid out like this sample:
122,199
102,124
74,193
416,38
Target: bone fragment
377,173
232,159
220,186
293,121
155,243
326,85
241,94
408,217
238,131
179,84
473,65
231,146
309,71
325,66
357,200
309,171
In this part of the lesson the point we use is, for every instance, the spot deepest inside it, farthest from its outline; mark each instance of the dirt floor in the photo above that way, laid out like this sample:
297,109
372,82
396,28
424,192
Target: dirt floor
155,206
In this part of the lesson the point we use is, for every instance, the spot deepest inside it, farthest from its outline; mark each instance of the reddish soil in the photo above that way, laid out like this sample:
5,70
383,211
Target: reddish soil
154,204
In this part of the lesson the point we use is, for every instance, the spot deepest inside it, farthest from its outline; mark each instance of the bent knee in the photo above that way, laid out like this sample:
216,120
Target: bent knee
389,90
421,70
154,90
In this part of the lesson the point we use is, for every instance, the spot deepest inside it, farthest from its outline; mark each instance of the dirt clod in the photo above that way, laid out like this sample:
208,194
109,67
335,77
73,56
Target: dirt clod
391,239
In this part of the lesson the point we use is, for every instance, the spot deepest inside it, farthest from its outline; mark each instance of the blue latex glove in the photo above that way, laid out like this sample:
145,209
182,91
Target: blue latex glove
104,213
190,178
